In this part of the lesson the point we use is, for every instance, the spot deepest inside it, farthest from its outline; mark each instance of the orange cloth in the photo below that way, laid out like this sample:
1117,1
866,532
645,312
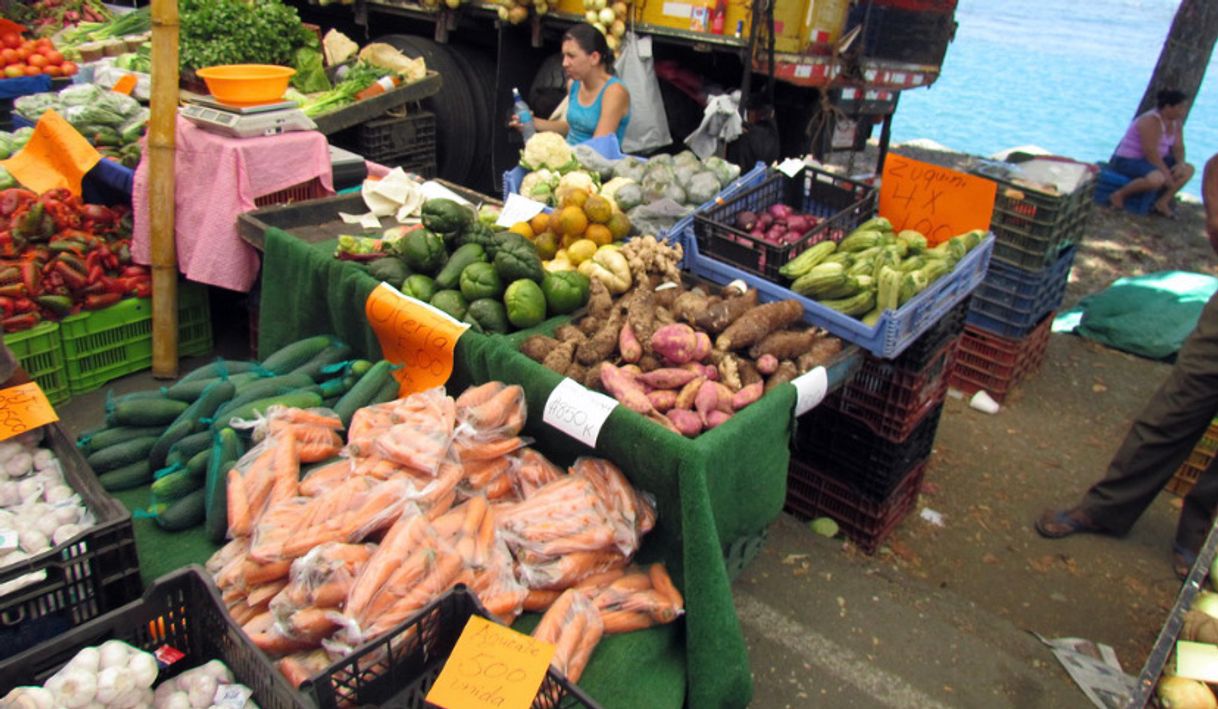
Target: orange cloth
56,156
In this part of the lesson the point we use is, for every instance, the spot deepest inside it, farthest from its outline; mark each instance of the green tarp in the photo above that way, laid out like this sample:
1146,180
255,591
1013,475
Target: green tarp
727,485
1146,315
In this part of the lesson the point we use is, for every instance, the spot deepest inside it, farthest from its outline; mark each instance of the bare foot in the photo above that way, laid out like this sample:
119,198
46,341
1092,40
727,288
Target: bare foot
1116,200
1164,210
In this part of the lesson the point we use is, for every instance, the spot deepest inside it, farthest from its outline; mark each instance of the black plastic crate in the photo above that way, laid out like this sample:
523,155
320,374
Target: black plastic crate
868,523
909,36
842,202
182,610
410,137
1010,301
893,400
1032,228
850,451
86,576
397,670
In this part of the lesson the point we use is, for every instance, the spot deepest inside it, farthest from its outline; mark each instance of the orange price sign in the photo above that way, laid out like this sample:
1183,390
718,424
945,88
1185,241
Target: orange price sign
22,408
491,666
937,201
415,335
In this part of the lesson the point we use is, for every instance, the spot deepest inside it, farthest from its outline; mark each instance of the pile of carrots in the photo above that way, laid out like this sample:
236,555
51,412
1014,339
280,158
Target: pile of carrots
427,492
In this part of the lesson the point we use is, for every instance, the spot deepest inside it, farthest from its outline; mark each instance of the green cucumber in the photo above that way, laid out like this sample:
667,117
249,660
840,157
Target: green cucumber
335,353
121,454
227,449
191,419
291,356
113,435
302,399
146,412
363,391
174,485
127,477
197,465
184,513
190,445
274,386
221,368
188,391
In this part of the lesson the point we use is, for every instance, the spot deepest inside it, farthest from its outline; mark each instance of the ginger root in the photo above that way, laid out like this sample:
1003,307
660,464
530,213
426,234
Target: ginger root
537,347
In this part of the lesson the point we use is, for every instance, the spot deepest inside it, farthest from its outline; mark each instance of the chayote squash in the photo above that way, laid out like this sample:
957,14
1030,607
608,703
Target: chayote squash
445,217
422,250
516,258
490,314
419,286
565,291
480,234
391,269
525,303
451,302
480,280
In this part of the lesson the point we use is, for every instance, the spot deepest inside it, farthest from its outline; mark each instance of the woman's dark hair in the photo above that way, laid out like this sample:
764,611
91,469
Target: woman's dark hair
591,40
1163,99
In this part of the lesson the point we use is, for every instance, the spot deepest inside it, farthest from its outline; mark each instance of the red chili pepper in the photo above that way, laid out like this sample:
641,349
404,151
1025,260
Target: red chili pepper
6,307
23,305
17,323
101,300
13,290
131,283
13,199
130,271
31,276
71,278
10,274
74,262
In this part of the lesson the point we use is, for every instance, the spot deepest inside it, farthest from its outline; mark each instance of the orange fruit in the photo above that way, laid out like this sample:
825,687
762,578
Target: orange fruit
571,222
598,209
547,245
540,223
619,226
599,234
523,229
574,198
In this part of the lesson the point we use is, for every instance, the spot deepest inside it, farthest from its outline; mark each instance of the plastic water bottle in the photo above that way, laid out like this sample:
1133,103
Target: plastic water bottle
523,114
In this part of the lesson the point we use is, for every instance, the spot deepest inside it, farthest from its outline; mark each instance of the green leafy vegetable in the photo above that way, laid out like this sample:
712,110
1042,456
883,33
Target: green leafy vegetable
216,32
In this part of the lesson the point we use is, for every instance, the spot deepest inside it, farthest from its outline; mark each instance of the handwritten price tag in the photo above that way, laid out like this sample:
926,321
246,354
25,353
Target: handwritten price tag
22,408
415,335
577,411
936,201
491,666
811,387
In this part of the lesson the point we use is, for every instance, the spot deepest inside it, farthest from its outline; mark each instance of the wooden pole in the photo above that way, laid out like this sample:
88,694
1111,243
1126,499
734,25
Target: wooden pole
161,138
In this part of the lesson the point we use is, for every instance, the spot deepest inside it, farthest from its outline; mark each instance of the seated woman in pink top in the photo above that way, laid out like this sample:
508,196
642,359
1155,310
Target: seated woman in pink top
1152,153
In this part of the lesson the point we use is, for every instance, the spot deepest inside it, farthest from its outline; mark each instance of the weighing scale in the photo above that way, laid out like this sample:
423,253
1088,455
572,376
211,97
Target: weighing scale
246,121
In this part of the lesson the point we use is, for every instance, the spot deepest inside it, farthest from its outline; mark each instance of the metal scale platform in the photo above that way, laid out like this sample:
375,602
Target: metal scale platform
246,121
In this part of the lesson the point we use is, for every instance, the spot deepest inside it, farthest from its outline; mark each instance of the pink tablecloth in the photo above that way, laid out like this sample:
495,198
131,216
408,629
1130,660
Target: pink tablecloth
217,179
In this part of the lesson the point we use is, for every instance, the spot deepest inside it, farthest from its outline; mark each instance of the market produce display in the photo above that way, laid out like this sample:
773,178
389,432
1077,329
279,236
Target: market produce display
126,24
38,509
110,121
119,676
874,269
59,256
454,495
20,56
183,439
48,17
685,358
10,144
654,194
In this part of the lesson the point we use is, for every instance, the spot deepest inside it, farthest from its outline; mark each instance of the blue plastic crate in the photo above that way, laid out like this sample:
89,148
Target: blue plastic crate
896,330
1011,301
1110,181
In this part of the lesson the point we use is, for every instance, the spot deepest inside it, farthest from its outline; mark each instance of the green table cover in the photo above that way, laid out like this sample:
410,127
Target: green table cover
728,484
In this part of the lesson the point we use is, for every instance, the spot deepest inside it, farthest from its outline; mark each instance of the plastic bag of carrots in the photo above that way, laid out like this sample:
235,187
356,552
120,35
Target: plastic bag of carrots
470,529
573,625
267,473
415,431
316,430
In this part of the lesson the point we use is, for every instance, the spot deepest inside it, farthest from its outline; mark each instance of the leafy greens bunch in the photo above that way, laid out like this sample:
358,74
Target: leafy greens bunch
239,32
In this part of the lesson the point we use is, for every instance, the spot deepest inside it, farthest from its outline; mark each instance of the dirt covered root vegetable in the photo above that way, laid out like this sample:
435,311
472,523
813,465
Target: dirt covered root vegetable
537,347
786,372
625,389
785,344
757,322
767,364
600,346
715,318
677,343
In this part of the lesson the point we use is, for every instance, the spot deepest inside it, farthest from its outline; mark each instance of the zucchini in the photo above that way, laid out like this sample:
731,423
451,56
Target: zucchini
121,454
222,368
261,389
335,353
192,419
334,388
126,477
291,356
388,392
302,399
188,391
146,412
227,449
184,513
113,435
174,485
188,446
363,390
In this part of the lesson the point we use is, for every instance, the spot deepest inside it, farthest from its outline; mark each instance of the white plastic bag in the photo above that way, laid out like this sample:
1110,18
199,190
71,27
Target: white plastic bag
648,127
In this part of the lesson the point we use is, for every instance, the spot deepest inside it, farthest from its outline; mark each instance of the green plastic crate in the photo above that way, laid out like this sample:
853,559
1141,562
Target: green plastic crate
41,356
103,345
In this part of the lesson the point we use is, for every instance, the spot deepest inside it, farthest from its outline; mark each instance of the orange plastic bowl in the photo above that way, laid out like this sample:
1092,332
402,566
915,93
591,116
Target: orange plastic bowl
246,84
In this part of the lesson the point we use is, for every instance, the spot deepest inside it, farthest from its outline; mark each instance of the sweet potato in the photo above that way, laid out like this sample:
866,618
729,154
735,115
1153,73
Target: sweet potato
757,322
707,399
703,348
717,316
537,347
662,399
686,421
725,395
715,418
785,344
767,364
785,372
648,362
668,377
625,389
747,395
689,392
628,345
676,343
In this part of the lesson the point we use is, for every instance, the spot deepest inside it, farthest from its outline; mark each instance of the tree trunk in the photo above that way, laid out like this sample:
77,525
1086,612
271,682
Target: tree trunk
1186,52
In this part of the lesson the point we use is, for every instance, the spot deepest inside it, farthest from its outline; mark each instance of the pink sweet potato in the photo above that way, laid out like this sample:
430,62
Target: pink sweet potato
707,399
676,343
716,418
662,399
668,377
686,421
627,344
689,392
725,394
747,395
703,349
623,387
767,364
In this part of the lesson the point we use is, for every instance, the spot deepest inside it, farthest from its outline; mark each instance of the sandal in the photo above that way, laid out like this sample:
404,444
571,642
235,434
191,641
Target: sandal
1055,524
1182,561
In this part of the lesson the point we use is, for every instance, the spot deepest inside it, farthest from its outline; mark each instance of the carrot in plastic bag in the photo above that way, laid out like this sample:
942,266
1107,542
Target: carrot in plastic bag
350,513
423,432
324,477
267,473
302,666
635,510
573,625
493,409
556,573
638,599
367,424
531,471
470,529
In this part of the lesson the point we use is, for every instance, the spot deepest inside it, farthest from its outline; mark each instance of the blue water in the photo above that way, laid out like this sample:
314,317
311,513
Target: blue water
1064,75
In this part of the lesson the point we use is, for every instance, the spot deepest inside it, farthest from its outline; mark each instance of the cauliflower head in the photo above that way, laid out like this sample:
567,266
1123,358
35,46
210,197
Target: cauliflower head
539,185
577,180
548,150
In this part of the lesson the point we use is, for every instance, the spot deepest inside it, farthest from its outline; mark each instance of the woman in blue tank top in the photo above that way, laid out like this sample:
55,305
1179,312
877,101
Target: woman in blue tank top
598,102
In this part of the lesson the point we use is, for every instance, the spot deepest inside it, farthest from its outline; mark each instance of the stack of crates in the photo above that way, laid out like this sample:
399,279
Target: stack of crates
860,456
1011,312
1197,462
404,138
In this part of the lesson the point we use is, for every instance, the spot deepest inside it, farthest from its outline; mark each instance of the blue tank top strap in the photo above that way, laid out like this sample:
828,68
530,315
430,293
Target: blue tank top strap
582,120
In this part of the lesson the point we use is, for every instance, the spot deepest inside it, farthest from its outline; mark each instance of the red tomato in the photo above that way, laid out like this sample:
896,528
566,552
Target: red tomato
52,70
44,42
33,71
23,53
8,56
54,57
10,39
68,68
37,60
12,71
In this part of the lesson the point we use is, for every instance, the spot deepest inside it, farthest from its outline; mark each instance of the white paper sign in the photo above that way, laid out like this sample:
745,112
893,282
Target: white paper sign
791,166
518,209
577,411
367,221
8,540
435,190
811,387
